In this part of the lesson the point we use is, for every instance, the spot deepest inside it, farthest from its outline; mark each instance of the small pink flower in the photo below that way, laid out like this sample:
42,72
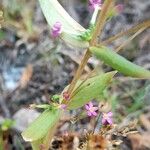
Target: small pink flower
119,8
56,29
95,3
42,146
66,95
63,106
91,110
107,118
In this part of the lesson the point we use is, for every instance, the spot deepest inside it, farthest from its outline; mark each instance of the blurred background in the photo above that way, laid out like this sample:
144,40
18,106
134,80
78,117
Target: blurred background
33,67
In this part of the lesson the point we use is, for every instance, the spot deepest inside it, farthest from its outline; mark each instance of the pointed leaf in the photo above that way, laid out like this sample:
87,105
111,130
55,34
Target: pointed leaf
92,88
119,63
44,143
39,128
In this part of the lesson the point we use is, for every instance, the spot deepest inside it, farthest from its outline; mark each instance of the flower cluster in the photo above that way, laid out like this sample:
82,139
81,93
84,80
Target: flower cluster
92,111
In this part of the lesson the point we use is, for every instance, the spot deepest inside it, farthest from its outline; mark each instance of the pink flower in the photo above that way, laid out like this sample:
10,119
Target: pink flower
63,106
94,3
56,29
107,118
119,8
91,110
66,96
42,146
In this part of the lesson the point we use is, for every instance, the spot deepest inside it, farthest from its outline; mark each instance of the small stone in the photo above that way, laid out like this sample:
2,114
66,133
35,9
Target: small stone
24,117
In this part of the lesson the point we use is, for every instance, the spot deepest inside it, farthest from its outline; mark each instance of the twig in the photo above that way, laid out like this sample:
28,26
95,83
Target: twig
3,99
130,39
4,107
129,31
98,124
79,71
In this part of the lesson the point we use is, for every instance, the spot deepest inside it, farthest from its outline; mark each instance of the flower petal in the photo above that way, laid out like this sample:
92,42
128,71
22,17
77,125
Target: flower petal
90,104
110,114
109,120
104,121
94,113
87,107
95,108
89,113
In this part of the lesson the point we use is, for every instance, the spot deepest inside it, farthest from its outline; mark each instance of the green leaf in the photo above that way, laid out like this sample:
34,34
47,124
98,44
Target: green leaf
87,35
71,30
37,145
44,143
40,127
92,88
119,63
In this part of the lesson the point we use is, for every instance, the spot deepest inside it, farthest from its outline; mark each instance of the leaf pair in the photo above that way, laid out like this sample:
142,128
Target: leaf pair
119,63
92,88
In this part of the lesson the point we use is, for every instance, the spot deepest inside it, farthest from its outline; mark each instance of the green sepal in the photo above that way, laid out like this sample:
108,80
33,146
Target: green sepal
92,88
119,63
39,128
55,98
87,35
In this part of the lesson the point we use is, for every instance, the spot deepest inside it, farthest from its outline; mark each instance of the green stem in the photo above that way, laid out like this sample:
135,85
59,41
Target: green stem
98,30
94,16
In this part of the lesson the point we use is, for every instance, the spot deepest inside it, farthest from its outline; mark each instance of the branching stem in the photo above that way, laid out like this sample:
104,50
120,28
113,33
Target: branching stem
129,39
123,33
97,32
